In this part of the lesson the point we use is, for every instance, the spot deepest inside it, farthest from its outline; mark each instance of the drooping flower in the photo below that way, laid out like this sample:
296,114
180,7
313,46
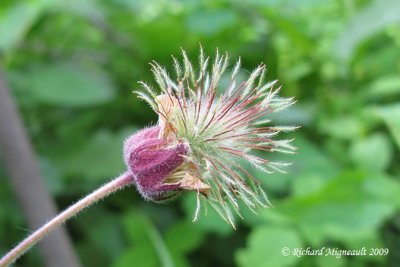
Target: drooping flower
205,140
158,165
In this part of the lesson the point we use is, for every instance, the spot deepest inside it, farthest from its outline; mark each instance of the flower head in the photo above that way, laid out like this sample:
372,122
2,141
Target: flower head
205,139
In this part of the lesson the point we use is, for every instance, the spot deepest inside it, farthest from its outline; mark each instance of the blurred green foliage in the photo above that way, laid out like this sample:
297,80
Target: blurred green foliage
73,64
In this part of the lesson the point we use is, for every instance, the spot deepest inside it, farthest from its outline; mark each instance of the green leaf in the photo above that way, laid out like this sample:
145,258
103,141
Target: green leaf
152,28
16,21
176,236
362,26
52,175
310,161
69,85
292,28
278,4
108,227
99,158
264,247
372,153
136,225
344,127
297,71
342,210
140,255
390,114
383,187
210,222
182,238
148,248
330,261
307,184
210,22
384,86
89,9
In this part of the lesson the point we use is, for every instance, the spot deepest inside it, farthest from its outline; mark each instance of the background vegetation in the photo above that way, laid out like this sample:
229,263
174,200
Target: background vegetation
72,66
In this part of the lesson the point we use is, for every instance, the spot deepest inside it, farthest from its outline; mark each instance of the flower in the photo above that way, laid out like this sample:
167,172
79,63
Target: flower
158,165
204,140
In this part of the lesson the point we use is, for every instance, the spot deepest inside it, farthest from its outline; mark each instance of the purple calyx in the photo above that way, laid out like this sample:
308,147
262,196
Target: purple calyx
151,160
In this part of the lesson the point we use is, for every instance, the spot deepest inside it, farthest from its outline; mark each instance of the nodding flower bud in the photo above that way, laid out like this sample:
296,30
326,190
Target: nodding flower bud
159,162
151,160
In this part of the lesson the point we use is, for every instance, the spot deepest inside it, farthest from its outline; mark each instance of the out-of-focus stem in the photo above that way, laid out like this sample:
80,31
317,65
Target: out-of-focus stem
27,182
111,187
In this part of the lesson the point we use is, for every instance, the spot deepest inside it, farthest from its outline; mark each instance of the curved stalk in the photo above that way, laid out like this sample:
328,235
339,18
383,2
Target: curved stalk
107,189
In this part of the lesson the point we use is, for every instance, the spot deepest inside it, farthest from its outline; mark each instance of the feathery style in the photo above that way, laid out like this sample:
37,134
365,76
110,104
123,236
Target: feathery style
208,135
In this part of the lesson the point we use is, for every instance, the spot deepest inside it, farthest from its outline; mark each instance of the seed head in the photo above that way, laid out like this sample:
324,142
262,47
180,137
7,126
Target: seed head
205,139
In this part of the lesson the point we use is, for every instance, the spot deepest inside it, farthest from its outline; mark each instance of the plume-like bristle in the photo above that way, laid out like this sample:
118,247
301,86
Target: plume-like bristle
222,129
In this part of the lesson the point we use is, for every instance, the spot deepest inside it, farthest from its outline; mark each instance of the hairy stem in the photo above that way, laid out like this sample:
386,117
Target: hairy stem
111,187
